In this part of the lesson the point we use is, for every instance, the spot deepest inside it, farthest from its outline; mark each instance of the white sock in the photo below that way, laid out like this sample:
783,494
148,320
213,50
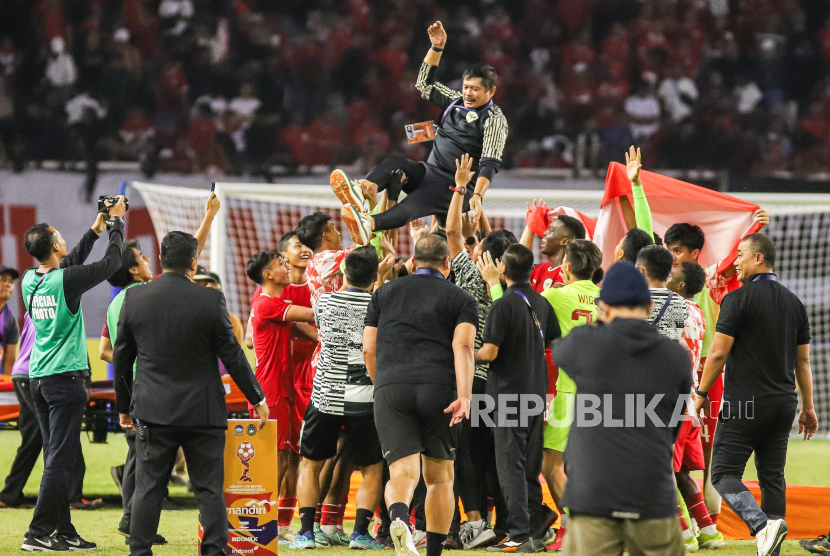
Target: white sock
329,529
477,524
687,534
709,530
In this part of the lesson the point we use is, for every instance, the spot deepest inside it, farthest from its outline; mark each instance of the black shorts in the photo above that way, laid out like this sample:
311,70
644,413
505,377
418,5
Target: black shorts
319,433
411,420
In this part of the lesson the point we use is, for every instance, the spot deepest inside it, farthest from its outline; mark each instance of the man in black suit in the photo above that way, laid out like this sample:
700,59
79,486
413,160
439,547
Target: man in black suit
175,331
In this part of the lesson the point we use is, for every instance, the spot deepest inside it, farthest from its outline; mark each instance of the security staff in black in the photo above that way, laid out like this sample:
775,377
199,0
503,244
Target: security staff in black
763,337
470,124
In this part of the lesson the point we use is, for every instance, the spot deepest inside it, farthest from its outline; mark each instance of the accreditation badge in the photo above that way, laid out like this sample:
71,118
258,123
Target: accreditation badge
420,132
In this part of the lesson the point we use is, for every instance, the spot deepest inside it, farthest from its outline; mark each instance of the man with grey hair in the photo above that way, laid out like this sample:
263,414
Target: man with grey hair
418,349
768,353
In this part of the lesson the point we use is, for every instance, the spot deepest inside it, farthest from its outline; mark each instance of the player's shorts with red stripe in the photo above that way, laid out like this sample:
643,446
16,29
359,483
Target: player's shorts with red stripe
688,450
288,425
707,434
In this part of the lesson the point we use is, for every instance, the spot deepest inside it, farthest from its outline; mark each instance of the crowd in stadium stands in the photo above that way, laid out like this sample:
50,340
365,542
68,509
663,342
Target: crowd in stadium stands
235,87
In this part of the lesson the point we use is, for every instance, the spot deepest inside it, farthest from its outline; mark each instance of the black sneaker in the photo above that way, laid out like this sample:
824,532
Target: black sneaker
818,545
156,541
550,518
532,545
386,541
117,474
505,545
85,504
168,504
76,542
32,543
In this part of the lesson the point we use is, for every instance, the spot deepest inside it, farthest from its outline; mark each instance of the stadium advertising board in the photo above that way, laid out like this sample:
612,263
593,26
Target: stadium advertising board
251,488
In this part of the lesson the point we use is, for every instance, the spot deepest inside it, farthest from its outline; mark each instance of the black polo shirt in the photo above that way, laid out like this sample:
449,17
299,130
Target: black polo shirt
520,366
768,323
416,318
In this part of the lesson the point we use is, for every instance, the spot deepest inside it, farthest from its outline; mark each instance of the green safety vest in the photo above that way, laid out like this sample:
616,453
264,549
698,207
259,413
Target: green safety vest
114,312
60,336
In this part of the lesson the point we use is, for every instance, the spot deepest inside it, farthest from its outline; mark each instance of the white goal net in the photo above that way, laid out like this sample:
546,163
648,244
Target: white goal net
255,216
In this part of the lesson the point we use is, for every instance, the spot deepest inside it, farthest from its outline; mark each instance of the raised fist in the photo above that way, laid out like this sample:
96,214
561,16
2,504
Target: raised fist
437,34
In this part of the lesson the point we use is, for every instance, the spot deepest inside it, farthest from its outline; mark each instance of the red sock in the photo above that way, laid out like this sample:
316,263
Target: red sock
697,510
341,509
329,514
683,525
286,511
714,518
319,515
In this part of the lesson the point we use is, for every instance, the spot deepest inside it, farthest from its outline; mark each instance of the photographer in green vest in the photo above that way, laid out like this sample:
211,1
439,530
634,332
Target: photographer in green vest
59,363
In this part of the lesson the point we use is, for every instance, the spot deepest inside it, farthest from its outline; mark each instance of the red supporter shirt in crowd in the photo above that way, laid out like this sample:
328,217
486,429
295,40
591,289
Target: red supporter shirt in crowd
301,350
544,276
272,335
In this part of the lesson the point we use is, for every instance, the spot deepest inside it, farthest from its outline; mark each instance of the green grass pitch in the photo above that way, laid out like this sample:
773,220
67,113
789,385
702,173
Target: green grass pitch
806,464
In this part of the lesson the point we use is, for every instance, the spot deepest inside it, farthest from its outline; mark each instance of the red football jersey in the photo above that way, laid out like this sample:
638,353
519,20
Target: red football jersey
301,350
323,272
272,336
544,276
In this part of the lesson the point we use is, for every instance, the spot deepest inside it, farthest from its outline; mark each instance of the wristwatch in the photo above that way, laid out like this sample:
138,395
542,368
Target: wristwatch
701,394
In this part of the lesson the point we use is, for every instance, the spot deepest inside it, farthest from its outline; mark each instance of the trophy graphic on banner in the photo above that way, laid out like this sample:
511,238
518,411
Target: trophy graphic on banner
245,453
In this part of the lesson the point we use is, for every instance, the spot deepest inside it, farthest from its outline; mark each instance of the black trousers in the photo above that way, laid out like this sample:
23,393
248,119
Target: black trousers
427,192
763,428
519,463
128,478
60,401
474,446
204,449
31,443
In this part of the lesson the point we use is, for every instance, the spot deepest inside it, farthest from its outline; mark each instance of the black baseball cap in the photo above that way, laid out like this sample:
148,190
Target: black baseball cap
203,275
10,271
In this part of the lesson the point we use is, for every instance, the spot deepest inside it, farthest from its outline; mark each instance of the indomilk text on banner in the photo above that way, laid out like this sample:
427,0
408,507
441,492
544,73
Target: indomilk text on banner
251,488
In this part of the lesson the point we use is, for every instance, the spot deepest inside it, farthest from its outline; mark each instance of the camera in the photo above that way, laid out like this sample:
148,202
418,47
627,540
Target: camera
102,206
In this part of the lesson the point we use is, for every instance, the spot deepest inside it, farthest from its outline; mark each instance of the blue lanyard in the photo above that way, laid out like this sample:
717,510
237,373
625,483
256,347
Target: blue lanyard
760,277
532,314
457,104
358,290
430,272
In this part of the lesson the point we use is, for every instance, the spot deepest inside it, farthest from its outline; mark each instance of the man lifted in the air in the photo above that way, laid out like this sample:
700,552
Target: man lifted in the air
471,124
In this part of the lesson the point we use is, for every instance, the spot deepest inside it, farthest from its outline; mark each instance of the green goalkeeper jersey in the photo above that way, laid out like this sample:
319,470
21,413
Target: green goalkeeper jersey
575,304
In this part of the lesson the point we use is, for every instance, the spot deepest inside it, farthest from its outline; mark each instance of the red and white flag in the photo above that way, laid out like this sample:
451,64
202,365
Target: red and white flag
540,218
724,219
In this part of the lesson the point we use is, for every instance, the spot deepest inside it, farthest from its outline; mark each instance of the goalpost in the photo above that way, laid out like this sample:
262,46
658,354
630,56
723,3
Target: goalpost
255,216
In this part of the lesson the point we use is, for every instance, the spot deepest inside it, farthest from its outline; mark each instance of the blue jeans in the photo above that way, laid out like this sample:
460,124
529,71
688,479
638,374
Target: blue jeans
60,401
